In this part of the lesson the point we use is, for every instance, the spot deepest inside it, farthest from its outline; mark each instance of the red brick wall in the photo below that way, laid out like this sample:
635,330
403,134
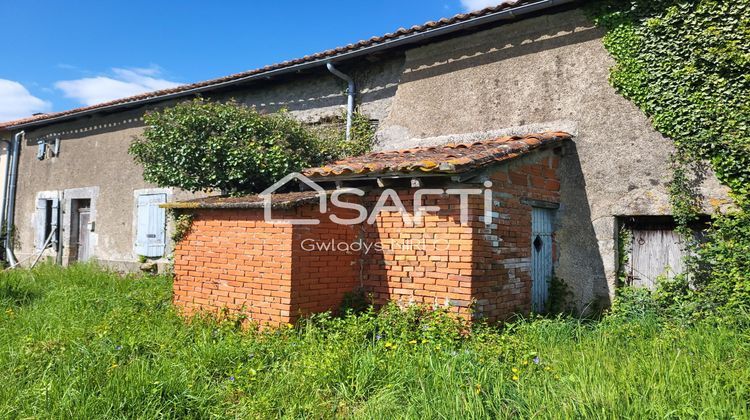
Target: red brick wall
321,276
428,263
502,252
233,259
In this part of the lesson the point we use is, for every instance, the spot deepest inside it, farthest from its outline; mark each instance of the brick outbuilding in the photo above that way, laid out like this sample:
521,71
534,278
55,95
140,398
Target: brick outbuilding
488,251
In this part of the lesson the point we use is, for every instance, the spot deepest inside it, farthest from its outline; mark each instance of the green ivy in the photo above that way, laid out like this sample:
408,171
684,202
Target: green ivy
686,64
182,224
333,144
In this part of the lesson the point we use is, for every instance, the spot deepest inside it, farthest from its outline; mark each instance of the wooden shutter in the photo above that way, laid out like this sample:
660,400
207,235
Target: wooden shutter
150,237
40,222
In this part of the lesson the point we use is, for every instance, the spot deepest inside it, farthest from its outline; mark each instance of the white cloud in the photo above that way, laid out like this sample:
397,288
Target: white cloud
17,102
122,83
471,5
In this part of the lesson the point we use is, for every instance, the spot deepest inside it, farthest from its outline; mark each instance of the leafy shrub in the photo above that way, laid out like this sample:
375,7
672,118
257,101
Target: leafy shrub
201,145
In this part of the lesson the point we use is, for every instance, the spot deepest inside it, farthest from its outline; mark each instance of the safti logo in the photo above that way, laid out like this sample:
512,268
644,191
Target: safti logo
388,201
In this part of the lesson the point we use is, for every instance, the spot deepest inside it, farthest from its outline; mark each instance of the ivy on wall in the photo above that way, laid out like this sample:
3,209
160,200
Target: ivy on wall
686,64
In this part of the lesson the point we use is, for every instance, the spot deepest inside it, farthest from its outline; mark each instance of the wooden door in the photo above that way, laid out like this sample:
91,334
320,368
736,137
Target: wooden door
654,253
84,234
541,256
150,238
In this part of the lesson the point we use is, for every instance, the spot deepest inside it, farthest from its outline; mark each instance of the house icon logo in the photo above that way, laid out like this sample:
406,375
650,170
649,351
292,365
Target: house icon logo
267,196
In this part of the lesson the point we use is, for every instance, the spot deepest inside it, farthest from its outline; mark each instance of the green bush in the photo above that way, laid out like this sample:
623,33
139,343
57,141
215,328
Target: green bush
202,145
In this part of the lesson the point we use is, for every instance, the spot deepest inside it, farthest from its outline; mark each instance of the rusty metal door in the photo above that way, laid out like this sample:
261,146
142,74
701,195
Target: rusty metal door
84,234
541,256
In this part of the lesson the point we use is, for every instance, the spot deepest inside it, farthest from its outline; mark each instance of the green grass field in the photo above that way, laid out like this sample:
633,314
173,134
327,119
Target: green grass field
84,343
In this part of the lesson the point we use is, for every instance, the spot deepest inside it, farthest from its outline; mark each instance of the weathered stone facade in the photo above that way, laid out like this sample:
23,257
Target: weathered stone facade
547,72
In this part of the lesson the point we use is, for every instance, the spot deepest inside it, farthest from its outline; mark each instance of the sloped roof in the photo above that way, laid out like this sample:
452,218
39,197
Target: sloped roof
511,8
447,159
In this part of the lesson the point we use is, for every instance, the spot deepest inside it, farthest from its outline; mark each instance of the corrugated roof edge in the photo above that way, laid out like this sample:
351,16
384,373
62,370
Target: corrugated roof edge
508,8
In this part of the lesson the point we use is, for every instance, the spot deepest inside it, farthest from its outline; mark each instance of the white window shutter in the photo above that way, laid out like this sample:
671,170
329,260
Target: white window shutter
41,149
150,237
40,221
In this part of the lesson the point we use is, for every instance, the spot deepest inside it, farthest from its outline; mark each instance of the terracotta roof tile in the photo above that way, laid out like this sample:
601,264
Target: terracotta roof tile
401,32
447,159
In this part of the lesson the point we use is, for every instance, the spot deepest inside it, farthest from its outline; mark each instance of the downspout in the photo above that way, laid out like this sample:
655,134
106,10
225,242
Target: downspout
8,150
351,91
10,209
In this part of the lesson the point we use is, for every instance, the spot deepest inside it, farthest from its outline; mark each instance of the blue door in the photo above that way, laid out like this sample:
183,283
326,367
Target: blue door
541,256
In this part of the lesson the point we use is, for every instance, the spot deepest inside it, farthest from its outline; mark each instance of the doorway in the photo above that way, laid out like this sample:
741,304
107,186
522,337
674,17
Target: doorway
542,228
80,230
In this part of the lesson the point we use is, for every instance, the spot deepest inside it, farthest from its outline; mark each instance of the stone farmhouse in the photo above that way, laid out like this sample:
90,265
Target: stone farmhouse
521,71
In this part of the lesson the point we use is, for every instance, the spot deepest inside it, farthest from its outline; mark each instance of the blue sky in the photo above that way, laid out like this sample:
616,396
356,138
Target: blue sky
65,54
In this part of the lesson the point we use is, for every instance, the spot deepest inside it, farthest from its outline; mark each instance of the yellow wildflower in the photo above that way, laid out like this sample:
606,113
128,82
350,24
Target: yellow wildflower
515,377
514,370
413,342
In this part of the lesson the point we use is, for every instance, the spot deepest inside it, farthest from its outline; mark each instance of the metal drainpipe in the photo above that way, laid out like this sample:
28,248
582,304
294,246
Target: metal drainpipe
350,100
5,178
11,201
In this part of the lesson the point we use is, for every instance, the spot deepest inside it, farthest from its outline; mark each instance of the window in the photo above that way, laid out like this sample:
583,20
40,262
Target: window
47,221
47,148
150,236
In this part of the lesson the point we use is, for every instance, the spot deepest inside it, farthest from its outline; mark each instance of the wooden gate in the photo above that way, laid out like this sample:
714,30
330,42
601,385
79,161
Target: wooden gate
541,256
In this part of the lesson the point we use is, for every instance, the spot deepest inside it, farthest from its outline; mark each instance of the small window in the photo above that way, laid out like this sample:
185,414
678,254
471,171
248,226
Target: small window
47,222
150,236
48,148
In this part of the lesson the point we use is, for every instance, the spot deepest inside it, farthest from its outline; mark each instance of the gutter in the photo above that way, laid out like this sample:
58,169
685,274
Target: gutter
506,14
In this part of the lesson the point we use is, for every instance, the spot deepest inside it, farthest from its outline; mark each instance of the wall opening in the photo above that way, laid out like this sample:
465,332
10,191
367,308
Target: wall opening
81,227
653,249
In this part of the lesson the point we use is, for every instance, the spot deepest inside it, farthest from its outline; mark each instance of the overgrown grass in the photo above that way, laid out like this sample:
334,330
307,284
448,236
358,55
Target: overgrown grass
84,343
